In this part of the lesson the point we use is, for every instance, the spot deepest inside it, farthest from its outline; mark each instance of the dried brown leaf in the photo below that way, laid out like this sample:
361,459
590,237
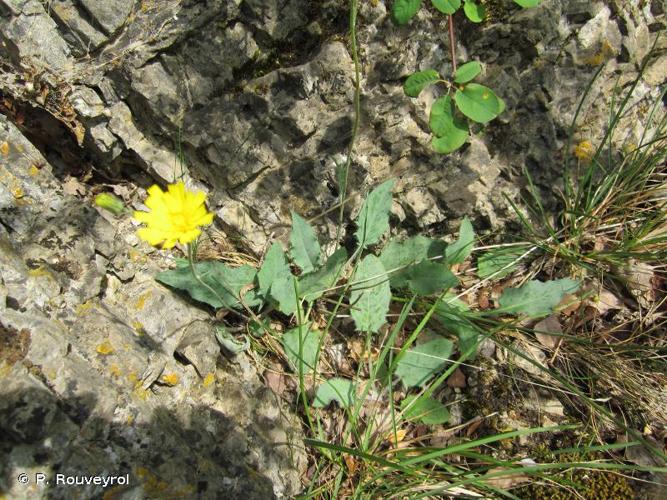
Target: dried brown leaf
544,330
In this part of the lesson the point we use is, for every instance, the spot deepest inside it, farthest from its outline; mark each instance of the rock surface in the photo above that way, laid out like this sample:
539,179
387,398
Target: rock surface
106,372
257,97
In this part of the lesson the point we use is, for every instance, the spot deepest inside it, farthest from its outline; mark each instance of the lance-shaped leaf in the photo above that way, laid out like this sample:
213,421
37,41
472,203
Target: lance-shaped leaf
527,3
283,292
373,218
427,278
370,296
420,363
399,254
419,81
313,285
223,286
305,248
428,411
536,298
458,251
275,266
306,341
499,260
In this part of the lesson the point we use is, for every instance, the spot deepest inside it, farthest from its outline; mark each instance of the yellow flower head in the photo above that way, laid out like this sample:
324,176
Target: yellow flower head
584,151
175,215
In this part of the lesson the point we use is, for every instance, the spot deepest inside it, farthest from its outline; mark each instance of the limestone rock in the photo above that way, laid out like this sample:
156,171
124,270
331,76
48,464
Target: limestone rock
106,372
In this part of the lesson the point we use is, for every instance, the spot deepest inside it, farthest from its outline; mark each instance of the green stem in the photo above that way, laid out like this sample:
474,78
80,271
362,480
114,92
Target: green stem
357,113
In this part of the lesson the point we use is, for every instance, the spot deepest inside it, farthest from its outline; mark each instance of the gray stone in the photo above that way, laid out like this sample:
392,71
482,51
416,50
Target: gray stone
109,15
111,377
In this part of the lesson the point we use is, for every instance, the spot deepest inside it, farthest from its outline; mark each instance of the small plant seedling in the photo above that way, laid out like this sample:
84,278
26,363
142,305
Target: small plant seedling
449,114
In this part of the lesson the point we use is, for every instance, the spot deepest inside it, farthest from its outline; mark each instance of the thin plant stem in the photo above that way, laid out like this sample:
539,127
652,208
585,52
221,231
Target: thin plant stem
452,42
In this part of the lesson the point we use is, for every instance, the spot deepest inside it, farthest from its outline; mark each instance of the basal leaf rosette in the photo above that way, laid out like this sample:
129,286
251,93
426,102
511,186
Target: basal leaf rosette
175,216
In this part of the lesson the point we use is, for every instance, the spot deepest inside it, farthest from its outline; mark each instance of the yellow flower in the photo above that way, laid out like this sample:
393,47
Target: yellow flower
584,151
175,216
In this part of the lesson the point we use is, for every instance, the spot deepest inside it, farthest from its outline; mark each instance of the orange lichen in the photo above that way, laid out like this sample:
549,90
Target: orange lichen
170,379
141,301
115,370
4,148
105,348
208,380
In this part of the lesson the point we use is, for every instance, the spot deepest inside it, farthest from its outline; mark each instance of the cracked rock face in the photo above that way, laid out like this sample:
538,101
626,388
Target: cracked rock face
106,372
256,96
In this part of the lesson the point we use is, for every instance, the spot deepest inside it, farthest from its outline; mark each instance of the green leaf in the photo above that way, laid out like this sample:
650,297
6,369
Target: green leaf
458,251
370,299
274,266
496,259
335,389
428,411
450,304
527,3
419,81
313,285
456,323
373,218
310,342
404,10
536,298
475,12
467,72
419,364
478,103
226,283
447,6
400,254
427,278
304,247
282,291
450,130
